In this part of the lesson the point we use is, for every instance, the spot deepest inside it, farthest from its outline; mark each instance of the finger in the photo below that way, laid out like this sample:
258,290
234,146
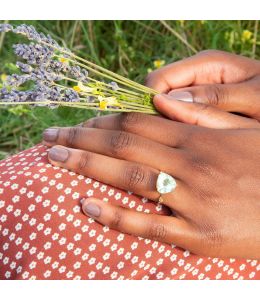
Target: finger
207,67
201,114
241,97
154,128
120,144
162,228
126,175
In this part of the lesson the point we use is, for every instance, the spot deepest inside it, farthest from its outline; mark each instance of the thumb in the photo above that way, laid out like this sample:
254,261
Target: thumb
199,114
238,97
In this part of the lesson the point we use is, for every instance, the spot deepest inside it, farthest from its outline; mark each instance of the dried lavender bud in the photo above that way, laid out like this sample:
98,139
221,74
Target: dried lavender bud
43,75
57,66
79,74
114,86
25,68
71,96
14,95
16,80
30,32
55,94
33,53
5,27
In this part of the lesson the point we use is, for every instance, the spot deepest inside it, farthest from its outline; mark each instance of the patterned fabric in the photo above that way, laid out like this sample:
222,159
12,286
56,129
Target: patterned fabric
44,234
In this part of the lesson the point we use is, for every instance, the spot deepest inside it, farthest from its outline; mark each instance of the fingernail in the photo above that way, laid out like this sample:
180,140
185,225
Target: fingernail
92,210
181,96
58,154
50,134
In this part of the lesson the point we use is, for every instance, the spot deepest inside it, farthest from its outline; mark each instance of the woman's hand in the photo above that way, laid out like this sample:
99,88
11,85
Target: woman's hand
216,204
207,83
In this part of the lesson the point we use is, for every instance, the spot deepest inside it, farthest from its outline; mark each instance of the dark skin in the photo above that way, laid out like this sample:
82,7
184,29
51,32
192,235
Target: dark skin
216,204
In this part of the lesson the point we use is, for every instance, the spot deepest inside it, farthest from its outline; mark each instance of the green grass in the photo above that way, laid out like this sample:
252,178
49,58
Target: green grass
126,47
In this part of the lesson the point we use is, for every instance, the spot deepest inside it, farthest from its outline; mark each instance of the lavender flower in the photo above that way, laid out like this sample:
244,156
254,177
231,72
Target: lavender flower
114,86
57,66
71,96
33,53
16,80
30,32
79,74
41,74
5,27
58,76
25,68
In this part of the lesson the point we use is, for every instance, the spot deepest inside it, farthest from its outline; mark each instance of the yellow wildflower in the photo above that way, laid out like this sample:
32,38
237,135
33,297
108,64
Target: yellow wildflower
82,88
63,60
3,77
246,36
103,104
109,101
77,88
158,63
149,70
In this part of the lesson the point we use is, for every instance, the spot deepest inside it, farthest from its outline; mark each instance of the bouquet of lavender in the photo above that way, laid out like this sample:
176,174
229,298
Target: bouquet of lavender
51,75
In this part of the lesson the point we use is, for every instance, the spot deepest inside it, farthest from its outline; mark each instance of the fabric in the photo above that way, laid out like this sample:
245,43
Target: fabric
44,234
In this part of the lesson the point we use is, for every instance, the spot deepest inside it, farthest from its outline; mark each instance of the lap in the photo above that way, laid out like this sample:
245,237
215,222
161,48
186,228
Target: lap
44,234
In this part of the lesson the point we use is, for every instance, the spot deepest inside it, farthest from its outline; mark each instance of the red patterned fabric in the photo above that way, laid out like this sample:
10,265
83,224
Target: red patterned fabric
44,234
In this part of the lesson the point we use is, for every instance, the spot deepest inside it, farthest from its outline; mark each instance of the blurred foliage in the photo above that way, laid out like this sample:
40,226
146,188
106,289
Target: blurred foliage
130,48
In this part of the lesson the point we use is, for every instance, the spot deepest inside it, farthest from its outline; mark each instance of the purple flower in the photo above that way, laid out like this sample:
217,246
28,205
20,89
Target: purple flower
114,86
33,53
25,68
79,74
16,80
6,27
71,96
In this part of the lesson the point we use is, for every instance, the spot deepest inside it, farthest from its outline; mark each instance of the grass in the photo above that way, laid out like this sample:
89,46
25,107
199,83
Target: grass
126,47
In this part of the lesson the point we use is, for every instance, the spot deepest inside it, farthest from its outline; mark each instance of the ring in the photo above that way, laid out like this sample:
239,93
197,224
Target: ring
165,184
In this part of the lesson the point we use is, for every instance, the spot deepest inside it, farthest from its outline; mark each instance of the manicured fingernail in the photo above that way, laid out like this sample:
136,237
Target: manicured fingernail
50,134
92,210
58,154
181,96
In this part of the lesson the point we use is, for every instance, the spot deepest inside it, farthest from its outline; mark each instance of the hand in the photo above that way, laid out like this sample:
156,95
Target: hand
209,82
216,204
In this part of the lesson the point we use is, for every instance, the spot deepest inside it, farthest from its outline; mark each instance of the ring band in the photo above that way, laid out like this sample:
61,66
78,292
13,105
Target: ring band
160,200
165,184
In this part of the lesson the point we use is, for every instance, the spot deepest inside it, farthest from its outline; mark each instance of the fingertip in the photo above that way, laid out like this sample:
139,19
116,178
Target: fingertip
58,154
163,102
91,207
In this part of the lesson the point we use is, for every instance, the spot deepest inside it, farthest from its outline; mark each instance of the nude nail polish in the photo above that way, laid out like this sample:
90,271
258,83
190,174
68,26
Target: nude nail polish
181,96
58,154
50,134
92,210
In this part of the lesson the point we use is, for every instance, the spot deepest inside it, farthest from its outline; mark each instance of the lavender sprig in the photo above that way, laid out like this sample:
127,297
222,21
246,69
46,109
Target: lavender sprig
51,75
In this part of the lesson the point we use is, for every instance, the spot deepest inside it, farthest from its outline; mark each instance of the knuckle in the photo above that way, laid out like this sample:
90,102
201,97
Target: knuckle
71,136
215,94
116,220
151,77
203,110
157,231
211,52
129,121
93,123
211,236
135,175
83,162
201,166
120,142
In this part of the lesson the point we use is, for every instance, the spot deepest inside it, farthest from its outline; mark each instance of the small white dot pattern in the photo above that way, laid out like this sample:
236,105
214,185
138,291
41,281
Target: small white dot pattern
44,234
